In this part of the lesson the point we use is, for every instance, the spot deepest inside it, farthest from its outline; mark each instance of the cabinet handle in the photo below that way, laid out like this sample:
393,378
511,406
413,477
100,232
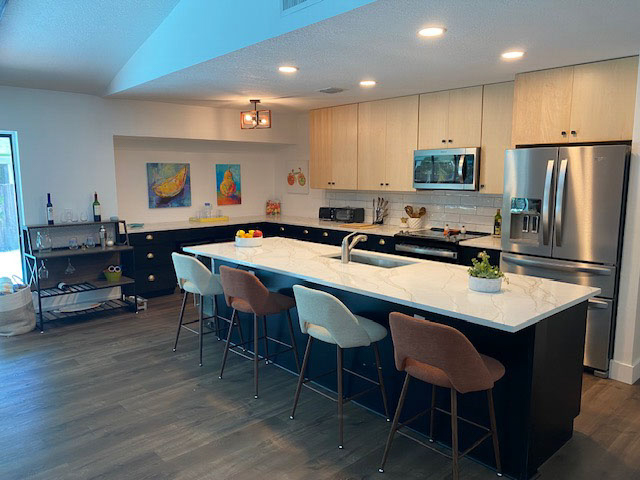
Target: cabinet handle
325,234
149,237
381,184
450,141
444,141
306,232
574,133
328,183
386,184
381,241
282,229
150,255
151,278
564,134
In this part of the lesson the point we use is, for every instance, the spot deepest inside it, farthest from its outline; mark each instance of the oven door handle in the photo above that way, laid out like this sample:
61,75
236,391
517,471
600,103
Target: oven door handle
461,169
433,252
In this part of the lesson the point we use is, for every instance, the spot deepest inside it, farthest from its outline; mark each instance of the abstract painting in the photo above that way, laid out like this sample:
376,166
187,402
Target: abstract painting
228,183
169,185
297,174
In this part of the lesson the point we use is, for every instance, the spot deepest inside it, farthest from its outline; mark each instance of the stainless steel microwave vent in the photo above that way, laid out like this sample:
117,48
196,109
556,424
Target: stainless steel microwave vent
331,90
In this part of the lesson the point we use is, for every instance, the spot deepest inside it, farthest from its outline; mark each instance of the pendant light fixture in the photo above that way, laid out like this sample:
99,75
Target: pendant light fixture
255,118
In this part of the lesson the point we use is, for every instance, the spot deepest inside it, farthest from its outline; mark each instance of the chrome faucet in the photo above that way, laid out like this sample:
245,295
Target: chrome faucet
347,247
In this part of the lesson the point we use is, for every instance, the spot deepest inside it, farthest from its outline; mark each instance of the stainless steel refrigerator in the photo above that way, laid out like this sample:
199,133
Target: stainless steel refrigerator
563,218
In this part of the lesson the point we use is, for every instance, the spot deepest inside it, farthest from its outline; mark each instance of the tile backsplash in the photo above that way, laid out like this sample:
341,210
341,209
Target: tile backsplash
473,210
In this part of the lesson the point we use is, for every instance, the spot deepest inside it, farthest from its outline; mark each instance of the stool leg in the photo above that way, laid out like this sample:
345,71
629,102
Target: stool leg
305,361
255,356
454,432
432,414
243,348
201,325
494,431
394,425
340,398
216,317
376,352
226,347
184,304
293,340
266,341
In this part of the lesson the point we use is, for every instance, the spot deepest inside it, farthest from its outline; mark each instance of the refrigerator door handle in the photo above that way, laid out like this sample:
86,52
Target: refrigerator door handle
554,265
546,203
599,304
562,180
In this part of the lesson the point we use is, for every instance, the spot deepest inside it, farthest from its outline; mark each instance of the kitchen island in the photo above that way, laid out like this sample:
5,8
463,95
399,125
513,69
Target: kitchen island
535,327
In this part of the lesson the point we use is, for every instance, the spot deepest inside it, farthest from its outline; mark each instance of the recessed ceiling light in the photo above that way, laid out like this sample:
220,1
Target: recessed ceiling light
513,54
288,69
432,31
367,83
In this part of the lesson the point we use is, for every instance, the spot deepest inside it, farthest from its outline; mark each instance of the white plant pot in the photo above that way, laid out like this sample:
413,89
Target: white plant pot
249,242
414,222
485,285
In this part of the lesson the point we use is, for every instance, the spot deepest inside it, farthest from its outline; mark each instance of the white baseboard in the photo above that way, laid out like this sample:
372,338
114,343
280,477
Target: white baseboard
624,372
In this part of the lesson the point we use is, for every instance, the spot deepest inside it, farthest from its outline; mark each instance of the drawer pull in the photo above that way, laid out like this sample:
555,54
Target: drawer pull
381,242
151,278
306,232
282,229
150,255
325,234
149,237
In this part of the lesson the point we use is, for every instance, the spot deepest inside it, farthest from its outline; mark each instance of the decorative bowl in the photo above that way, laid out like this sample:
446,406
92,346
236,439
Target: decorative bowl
485,285
112,276
249,242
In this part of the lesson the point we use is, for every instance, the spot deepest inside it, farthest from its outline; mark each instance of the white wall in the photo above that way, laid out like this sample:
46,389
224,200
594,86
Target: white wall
258,167
625,365
66,141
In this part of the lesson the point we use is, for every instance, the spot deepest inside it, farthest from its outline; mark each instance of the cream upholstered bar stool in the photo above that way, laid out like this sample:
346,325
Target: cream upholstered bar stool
443,357
323,317
195,278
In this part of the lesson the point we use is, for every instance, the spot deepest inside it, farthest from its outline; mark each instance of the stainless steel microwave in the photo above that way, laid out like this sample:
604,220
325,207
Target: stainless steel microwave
446,169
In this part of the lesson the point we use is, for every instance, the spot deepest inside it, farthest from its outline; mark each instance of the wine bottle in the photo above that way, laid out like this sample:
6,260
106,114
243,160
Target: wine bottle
497,224
49,210
96,208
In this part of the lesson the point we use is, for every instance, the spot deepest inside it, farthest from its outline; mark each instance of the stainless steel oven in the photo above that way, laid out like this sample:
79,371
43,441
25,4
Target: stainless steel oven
446,169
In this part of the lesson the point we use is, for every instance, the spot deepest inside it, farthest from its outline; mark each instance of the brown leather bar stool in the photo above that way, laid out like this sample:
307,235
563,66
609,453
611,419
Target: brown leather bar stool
444,357
245,293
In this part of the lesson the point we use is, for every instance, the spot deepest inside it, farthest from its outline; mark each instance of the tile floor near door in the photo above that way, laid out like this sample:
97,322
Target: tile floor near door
108,399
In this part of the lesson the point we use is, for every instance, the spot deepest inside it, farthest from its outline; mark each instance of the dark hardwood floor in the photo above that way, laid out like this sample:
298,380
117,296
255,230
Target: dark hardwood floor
108,399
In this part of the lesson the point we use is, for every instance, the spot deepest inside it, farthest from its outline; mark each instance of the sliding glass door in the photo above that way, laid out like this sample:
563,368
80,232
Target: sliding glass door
10,250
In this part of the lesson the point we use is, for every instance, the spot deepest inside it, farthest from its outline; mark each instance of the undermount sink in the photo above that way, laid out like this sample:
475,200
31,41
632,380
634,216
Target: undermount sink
374,260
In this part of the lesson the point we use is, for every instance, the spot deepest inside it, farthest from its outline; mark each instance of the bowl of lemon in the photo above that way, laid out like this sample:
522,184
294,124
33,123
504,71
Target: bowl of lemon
251,238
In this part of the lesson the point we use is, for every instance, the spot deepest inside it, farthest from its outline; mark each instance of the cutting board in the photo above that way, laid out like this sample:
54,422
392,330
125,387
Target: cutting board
209,220
358,225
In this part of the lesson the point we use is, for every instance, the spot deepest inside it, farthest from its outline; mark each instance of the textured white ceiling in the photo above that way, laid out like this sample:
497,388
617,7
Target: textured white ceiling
379,41
73,45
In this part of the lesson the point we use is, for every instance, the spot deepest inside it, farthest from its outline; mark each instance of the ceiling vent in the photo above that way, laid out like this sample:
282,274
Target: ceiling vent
291,6
331,90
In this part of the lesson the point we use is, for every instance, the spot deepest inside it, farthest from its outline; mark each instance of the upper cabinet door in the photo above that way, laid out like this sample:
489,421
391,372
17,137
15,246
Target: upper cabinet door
372,132
401,141
542,106
497,108
320,145
465,117
432,123
344,147
603,100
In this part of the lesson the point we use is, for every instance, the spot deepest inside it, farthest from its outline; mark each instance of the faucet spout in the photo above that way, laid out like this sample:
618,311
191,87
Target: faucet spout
348,246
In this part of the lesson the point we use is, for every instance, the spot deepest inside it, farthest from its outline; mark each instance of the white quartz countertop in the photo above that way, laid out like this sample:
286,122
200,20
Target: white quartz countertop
388,230
425,285
488,242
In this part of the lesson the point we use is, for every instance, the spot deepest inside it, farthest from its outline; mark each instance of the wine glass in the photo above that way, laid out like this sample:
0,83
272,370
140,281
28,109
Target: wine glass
68,216
83,216
43,272
91,242
73,243
70,270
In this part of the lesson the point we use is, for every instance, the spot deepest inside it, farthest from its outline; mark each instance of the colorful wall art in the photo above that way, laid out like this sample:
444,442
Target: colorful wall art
228,182
169,185
297,175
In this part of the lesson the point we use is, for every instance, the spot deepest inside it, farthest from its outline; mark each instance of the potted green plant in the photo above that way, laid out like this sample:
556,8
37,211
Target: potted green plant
484,277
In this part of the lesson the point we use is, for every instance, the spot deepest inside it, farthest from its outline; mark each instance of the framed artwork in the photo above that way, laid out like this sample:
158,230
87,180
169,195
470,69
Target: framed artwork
296,177
228,184
169,185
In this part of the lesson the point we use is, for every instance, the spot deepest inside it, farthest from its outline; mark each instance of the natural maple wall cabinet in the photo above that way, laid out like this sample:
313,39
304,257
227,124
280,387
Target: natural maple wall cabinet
583,103
450,119
497,107
333,134
387,137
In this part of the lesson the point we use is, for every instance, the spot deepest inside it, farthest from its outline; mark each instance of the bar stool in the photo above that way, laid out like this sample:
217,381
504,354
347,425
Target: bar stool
442,356
195,278
245,293
323,317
